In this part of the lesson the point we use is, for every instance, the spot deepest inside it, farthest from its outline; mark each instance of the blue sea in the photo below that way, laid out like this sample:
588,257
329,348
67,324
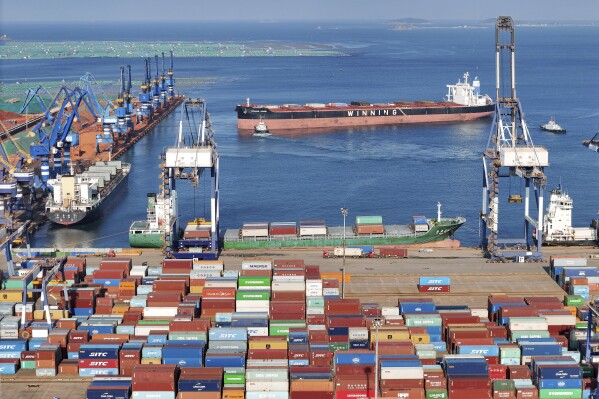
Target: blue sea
396,172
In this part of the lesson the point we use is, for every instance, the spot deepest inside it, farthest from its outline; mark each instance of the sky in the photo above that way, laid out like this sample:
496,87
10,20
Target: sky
288,10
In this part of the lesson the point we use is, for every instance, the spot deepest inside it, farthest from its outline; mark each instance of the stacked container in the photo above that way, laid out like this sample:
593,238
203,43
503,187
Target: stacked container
47,358
267,383
98,359
154,381
467,377
369,225
109,387
10,354
434,284
200,383
403,377
354,374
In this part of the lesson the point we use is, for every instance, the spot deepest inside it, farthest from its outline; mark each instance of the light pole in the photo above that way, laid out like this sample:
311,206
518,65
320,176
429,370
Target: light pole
376,323
344,213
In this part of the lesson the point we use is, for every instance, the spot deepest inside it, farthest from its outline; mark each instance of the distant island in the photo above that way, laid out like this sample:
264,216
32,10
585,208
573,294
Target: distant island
408,23
418,23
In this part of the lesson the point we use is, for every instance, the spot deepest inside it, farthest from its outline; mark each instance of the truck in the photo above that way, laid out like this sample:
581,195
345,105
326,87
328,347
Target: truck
366,252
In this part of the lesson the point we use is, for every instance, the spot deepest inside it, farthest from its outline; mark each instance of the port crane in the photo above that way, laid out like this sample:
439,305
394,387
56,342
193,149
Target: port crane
163,87
170,81
510,152
193,154
144,109
122,109
56,141
156,93
37,93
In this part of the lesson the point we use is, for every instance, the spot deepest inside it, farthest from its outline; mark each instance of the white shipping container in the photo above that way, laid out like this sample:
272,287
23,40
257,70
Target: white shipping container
9,333
313,231
156,311
267,395
314,310
313,284
39,332
402,373
558,261
258,331
260,304
269,363
527,324
288,286
213,265
560,320
338,251
288,278
394,317
254,232
267,375
480,312
144,329
29,307
253,264
358,333
330,292
266,386
314,292
593,279
196,274
316,327
139,271
390,311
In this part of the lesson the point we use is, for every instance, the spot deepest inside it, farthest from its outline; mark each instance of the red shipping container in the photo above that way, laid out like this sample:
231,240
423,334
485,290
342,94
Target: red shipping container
527,393
354,394
267,354
287,316
288,264
315,319
297,354
256,273
435,384
345,321
395,384
498,372
393,252
471,382
354,383
98,363
218,293
434,288
369,229
469,393
169,264
414,393
289,272
297,296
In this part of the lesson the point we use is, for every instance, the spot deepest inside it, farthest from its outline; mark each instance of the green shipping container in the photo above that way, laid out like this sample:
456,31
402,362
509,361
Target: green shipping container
587,371
154,322
281,327
436,394
423,321
504,385
574,300
338,346
254,281
369,220
528,334
234,378
187,336
581,325
252,295
509,353
28,364
315,302
560,393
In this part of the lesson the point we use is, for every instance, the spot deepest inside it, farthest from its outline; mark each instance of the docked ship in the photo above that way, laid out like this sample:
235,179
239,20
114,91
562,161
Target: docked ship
463,102
81,198
367,230
159,228
557,223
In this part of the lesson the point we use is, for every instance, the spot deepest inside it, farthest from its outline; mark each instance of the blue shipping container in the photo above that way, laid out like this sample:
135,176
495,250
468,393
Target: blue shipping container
8,368
228,334
417,307
199,385
432,280
13,345
93,372
354,358
560,384
109,393
183,362
226,361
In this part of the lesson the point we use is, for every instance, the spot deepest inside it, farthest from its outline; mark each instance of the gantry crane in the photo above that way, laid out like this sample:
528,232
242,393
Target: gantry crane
510,153
170,81
144,109
194,153
156,95
163,87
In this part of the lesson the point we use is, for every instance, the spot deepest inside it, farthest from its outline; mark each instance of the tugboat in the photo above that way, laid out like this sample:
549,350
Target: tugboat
557,223
261,130
552,127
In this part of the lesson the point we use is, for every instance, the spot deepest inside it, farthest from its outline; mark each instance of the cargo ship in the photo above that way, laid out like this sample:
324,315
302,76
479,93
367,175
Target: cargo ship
160,223
463,102
81,198
367,230
557,223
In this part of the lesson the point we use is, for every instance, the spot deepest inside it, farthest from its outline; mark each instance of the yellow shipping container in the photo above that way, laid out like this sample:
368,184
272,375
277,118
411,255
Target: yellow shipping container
196,289
233,394
54,314
148,360
127,285
571,309
11,296
120,309
267,344
421,339
390,335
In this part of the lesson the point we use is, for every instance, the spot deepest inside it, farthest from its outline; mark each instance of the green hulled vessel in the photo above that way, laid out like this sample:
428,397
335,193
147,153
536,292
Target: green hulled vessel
421,230
158,230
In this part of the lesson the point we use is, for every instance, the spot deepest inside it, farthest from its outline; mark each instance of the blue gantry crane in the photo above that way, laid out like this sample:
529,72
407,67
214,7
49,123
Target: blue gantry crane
511,153
144,109
163,86
170,80
156,95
